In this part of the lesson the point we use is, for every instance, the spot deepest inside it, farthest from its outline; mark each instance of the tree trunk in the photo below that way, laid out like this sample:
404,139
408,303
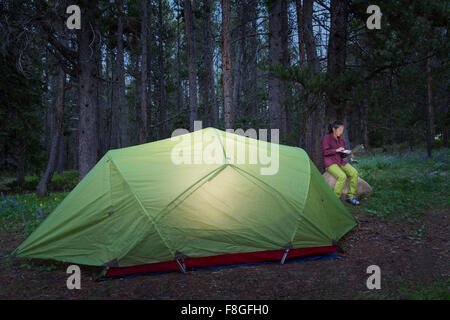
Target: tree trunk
254,56
101,109
211,107
163,130
314,123
21,169
115,103
62,158
337,52
149,78
41,190
429,109
123,126
179,88
144,72
226,66
301,43
285,62
87,78
192,63
313,63
275,10
238,59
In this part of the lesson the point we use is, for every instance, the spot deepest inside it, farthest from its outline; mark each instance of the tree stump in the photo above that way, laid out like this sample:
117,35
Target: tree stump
363,190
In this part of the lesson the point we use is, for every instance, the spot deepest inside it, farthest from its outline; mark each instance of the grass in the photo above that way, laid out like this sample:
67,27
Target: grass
24,212
409,290
405,186
415,290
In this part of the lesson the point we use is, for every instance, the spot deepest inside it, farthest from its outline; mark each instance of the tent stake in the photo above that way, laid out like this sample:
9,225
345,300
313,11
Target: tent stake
284,256
182,266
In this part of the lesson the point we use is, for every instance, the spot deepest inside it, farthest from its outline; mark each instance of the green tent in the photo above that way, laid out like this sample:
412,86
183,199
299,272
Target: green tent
196,195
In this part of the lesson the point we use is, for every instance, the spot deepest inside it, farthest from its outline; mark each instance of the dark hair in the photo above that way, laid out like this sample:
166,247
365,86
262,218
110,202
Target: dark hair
336,124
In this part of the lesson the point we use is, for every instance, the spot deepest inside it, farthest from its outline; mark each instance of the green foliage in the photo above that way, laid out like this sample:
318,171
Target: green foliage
25,212
415,290
411,290
65,181
405,186
30,184
20,98
249,122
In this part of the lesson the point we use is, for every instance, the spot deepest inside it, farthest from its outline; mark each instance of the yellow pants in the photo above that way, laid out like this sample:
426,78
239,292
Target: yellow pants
341,173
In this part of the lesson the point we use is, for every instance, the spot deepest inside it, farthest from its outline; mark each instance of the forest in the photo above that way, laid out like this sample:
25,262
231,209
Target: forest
121,73
137,70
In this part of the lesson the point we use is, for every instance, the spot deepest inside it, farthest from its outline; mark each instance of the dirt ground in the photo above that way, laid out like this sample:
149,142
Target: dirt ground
395,246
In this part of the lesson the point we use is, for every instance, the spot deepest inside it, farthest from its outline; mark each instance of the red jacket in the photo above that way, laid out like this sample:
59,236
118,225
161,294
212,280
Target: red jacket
329,154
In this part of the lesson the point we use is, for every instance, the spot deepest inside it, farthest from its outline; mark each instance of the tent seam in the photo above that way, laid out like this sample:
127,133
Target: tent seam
278,192
301,216
221,143
304,201
287,201
143,208
158,215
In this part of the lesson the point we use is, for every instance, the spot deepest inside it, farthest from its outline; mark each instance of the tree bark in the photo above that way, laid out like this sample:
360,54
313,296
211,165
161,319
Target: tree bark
313,63
337,52
163,128
226,66
179,88
429,109
41,190
285,62
62,157
144,72
254,56
120,109
275,9
192,63
300,36
238,59
314,122
87,78
213,112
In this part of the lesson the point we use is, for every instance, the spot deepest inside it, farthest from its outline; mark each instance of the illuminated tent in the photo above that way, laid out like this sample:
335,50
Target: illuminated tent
146,208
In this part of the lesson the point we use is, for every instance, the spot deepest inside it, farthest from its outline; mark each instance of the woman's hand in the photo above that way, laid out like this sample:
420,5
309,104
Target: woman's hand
340,149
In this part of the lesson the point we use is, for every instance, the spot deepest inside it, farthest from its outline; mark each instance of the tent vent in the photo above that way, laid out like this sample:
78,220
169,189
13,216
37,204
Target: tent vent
109,213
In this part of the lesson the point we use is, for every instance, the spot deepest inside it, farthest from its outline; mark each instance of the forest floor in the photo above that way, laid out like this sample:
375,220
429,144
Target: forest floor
412,252
411,266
